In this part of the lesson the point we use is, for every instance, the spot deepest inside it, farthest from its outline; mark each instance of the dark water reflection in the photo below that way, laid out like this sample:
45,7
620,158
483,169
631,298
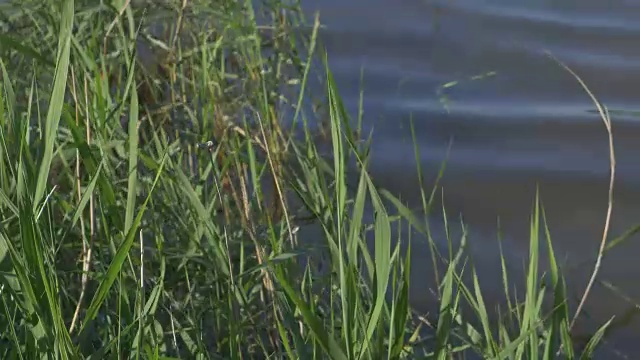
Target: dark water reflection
529,124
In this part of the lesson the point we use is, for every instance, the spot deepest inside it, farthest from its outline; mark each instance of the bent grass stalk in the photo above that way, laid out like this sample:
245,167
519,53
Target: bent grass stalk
604,115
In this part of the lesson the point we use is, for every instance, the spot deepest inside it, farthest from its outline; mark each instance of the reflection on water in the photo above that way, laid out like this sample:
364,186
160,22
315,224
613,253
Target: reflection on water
530,124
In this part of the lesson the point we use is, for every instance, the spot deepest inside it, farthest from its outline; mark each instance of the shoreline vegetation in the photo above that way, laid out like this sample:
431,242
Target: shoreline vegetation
161,163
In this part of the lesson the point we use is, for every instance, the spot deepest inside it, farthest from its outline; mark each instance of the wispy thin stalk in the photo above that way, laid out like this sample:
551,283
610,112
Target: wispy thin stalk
604,115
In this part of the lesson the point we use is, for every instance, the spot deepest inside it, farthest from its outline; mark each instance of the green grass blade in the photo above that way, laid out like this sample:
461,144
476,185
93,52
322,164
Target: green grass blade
401,310
481,310
7,126
57,98
326,340
11,326
530,314
132,187
120,257
341,195
445,317
86,195
595,340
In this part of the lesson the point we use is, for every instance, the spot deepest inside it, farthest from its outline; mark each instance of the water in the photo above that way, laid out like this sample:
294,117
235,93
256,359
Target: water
530,123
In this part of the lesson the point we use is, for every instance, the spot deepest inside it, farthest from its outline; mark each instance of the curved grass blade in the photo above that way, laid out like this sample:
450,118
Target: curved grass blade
595,340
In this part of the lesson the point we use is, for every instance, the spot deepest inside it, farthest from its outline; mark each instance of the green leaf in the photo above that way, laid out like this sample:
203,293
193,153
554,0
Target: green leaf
595,340
57,98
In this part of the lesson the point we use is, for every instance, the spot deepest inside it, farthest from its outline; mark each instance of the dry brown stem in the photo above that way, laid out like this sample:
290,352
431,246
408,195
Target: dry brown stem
604,115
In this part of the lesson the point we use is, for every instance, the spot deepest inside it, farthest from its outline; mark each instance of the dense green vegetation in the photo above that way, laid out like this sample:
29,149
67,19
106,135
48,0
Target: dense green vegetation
160,169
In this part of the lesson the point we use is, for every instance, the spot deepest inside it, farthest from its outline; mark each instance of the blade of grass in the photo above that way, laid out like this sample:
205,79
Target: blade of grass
120,257
530,315
132,190
326,340
595,340
57,98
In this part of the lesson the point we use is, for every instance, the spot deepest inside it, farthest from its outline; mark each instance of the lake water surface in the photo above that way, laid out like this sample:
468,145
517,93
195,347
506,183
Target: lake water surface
528,124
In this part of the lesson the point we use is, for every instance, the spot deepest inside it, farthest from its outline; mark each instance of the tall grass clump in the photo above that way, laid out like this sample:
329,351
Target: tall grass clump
159,173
